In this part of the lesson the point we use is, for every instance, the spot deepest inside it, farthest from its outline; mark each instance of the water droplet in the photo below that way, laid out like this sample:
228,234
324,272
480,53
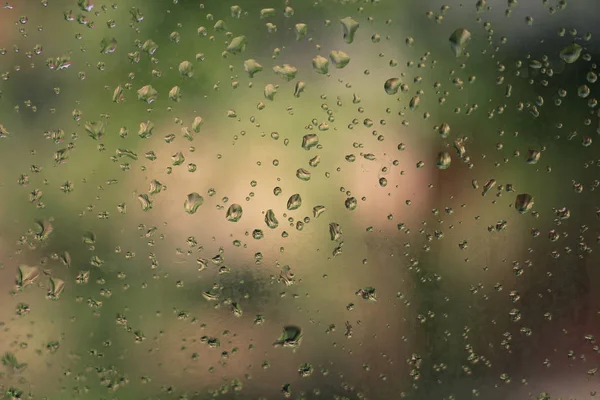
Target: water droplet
524,203
321,65
89,238
147,94
392,86
459,41
108,45
149,47
339,58
197,124
192,202
237,45
351,203
271,220
368,293
236,11
335,231
318,210
267,13
488,186
95,129
43,230
175,94
118,95
56,288
309,141
444,130
146,129
414,102
290,338
145,202
301,31
270,91
443,160
286,71
583,91
234,213
252,67
303,174
86,5
350,26
300,85
533,156
65,258
26,275
571,53
236,309
186,69
294,202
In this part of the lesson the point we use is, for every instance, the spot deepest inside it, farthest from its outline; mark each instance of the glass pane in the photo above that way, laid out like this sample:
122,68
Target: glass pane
336,199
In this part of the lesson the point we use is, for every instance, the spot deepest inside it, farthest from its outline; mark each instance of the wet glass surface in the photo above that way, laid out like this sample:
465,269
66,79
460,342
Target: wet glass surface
351,199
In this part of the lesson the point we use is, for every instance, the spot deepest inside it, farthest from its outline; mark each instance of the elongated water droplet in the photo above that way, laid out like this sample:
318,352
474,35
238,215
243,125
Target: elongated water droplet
65,258
118,95
270,92
197,124
300,85
443,160
301,31
294,202
267,13
271,220
335,231
488,186
459,41
175,94
186,69
414,103
145,202
350,26
533,156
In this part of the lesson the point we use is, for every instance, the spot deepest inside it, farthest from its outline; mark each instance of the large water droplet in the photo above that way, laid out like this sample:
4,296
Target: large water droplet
193,202
459,40
234,213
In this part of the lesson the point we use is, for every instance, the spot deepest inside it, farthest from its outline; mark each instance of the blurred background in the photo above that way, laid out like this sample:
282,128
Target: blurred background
262,199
